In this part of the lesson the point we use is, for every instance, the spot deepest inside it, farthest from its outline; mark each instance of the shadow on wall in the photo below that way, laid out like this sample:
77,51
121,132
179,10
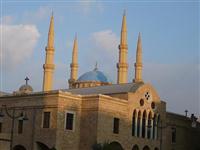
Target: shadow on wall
42,146
115,146
108,146
19,147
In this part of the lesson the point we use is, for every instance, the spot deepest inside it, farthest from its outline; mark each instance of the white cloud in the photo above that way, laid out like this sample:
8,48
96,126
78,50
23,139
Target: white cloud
43,12
87,6
38,15
103,48
6,20
17,43
105,40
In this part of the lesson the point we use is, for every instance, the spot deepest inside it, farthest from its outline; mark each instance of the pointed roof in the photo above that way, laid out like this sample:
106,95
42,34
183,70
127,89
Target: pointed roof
75,51
124,22
139,50
51,33
124,30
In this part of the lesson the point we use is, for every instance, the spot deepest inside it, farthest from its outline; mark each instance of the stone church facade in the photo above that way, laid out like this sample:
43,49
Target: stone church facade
93,111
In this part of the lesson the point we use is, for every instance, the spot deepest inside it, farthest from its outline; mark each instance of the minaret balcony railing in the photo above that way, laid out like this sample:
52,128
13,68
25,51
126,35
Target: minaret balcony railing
124,47
138,64
122,65
74,65
49,48
49,66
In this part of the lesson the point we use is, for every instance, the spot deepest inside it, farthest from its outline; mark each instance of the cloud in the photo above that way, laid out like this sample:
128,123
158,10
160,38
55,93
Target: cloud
103,48
6,20
38,15
17,44
105,40
87,6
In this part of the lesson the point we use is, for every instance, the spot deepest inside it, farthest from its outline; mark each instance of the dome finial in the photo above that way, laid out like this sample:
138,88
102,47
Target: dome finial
25,89
26,79
96,68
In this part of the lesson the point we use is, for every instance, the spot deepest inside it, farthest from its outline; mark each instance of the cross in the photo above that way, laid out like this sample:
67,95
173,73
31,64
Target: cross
186,112
26,80
96,66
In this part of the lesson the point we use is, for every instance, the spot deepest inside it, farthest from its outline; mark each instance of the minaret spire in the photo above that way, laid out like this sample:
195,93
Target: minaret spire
138,64
122,65
49,60
74,64
51,33
124,30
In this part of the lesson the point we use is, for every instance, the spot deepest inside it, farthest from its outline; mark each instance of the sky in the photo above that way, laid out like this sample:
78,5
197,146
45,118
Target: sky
170,41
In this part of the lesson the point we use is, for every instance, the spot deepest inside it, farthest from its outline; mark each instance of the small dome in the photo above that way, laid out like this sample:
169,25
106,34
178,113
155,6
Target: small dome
26,88
94,75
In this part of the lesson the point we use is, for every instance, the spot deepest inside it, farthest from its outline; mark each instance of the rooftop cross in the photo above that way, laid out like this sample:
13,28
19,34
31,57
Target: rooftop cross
26,80
186,112
95,68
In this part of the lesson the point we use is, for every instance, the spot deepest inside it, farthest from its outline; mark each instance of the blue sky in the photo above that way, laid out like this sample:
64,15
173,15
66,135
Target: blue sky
170,37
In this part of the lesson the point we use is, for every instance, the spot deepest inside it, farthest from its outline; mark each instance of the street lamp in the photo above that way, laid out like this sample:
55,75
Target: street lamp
13,116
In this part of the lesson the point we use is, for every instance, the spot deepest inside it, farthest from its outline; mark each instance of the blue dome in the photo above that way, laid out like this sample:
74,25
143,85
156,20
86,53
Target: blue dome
94,75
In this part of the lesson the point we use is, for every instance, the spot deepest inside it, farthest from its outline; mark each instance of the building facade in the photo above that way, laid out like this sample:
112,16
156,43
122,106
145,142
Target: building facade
93,112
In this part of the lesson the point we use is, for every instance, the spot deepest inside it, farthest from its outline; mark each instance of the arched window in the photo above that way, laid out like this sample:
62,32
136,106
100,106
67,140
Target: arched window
135,147
144,116
19,147
156,148
154,126
42,146
134,125
158,124
146,148
149,125
115,146
138,123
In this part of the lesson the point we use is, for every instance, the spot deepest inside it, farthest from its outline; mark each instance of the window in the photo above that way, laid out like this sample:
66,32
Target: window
69,121
116,125
138,124
141,102
149,127
0,127
173,135
154,127
134,123
20,126
144,124
46,119
147,96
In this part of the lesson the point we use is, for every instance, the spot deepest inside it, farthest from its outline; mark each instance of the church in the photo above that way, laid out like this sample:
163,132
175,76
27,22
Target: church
93,113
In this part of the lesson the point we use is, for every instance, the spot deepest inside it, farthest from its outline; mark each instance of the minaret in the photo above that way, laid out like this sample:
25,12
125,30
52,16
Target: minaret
138,64
74,64
49,60
122,65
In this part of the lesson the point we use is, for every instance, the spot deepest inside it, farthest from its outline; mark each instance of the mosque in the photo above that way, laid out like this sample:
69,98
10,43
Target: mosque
93,113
